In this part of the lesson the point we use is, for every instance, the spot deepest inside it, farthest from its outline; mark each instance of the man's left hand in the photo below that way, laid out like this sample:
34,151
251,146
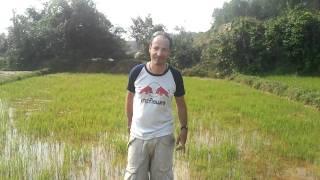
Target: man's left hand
181,140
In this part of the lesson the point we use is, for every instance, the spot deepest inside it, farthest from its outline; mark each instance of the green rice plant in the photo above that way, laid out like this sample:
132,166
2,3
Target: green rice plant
235,132
79,107
289,130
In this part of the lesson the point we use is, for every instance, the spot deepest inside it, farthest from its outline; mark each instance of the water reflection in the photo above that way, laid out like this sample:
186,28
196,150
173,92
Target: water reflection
25,158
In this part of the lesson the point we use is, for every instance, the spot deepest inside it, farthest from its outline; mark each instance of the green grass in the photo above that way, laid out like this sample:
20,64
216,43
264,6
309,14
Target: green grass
236,132
308,83
302,89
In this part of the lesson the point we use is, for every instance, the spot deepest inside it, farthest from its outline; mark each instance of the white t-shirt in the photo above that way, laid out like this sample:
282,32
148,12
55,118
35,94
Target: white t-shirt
152,102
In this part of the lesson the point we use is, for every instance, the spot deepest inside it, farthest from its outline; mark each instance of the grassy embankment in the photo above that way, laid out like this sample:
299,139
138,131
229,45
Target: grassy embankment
307,83
235,132
302,89
10,76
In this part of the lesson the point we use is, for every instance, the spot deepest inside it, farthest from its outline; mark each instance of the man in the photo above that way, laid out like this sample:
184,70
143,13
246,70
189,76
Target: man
151,88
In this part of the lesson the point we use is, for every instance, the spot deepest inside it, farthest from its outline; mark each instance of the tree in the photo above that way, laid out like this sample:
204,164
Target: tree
3,43
293,40
184,53
238,49
260,9
265,36
64,31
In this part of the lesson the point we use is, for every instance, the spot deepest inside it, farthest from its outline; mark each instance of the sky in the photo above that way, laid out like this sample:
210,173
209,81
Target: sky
193,15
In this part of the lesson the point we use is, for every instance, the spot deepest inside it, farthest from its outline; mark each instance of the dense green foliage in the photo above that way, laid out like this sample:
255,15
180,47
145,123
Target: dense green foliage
185,53
247,38
293,42
63,33
260,9
238,49
3,44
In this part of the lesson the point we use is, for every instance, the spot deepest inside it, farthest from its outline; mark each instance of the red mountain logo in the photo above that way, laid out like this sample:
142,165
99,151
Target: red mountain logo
146,90
162,92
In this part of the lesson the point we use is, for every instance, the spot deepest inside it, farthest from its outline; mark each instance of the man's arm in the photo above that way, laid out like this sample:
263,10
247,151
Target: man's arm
183,118
129,108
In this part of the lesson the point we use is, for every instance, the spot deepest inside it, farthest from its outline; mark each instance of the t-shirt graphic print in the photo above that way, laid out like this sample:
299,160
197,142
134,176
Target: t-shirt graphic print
152,102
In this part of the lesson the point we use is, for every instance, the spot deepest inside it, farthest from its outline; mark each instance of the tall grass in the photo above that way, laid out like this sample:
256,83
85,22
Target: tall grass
236,132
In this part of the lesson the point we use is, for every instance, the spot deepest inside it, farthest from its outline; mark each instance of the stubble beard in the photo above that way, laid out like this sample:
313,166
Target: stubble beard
158,61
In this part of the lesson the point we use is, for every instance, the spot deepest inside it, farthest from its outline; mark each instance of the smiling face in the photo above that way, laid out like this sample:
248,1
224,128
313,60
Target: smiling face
159,50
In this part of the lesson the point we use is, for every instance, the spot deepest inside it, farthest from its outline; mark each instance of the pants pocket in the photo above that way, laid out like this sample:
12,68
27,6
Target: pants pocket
168,140
131,140
130,175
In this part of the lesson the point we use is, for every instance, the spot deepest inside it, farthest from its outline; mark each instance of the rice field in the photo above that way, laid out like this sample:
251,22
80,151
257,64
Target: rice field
73,126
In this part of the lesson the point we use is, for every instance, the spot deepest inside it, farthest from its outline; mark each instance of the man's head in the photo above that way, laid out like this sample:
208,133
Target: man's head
159,47
161,33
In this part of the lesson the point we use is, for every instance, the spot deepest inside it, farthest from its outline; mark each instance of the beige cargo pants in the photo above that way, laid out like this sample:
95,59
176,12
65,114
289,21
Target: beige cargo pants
150,159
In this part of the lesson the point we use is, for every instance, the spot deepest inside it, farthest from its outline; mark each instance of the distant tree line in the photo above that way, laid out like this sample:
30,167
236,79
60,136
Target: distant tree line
247,36
64,33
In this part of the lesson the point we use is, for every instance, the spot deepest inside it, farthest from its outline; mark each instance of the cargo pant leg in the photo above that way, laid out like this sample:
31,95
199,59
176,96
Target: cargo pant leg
138,161
162,161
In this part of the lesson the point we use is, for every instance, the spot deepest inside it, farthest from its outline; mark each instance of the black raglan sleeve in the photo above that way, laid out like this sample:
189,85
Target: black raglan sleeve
179,82
135,71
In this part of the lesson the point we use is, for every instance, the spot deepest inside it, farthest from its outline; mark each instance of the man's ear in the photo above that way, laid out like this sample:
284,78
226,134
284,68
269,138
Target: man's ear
150,45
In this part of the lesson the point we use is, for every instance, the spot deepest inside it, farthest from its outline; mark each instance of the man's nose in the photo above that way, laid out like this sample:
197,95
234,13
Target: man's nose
159,52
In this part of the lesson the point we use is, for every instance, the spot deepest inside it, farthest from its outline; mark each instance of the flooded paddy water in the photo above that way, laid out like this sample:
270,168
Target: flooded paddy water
23,157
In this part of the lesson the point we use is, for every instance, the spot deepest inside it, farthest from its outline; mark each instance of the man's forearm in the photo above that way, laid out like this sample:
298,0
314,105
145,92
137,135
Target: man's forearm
182,111
129,118
183,116
129,108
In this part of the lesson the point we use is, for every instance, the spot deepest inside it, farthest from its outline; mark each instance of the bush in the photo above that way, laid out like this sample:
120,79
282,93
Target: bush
239,48
293,42
4,65
195,71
